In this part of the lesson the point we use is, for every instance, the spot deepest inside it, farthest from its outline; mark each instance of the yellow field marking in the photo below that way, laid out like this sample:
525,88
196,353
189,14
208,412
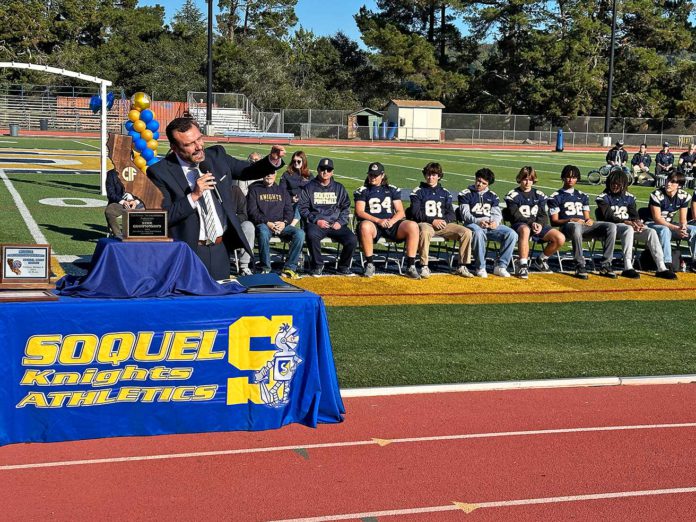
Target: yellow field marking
539,288
56,268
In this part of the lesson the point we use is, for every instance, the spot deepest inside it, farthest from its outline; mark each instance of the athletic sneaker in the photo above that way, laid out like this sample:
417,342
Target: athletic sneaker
344,271
246,271
630,274
290,274
522,272
481,272
501,271
666,274
412,272
607,271
463,271
316,272
369,270
581,272
540,266
425,272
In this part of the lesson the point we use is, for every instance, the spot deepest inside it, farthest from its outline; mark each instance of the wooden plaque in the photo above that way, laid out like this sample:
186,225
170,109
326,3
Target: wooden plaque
25,266
145,225
27,295
134,180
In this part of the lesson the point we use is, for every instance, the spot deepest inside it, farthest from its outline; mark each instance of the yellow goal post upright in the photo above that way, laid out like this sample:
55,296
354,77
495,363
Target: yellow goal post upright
103,84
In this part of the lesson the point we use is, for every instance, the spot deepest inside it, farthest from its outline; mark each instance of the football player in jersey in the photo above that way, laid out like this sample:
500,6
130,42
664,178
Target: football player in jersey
618,206
617,155
569,209
668,209
431,208
527,208
479,208
380,213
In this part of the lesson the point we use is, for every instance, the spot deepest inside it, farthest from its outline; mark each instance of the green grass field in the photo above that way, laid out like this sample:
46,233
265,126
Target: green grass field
419,344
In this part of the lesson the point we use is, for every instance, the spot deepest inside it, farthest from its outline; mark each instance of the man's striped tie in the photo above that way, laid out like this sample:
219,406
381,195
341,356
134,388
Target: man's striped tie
208,210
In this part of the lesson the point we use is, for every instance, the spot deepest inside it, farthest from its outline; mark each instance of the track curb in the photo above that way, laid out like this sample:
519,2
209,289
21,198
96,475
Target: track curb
518,385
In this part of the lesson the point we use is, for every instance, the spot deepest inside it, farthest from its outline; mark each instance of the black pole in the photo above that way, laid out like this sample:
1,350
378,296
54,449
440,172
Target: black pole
610,86
209,92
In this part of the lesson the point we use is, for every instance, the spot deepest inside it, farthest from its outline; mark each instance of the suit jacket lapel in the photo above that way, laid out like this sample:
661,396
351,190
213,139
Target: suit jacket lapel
177,173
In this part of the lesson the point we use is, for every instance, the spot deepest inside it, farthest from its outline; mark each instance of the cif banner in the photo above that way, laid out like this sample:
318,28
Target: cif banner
77,369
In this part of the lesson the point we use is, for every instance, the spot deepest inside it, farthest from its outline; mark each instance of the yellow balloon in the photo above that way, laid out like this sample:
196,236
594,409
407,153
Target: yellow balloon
145,134
136,154
141,101
139,126
134,115
140,162
152,144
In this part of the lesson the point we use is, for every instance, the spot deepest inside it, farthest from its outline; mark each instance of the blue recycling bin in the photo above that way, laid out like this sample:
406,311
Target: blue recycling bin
559,140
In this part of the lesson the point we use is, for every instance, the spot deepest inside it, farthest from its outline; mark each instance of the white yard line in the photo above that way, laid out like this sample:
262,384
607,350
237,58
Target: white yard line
369,442
33,227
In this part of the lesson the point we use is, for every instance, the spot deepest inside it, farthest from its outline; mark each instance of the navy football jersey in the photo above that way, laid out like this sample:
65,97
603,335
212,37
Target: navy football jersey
379,200
568,204
480,204
669,206
431,203
526,207
617,208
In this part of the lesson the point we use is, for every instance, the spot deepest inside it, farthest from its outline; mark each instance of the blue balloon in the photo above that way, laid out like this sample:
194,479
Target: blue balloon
153,161
152,125
155,135
135,135
129,126
109,100
95,103
141,146
146,116
147,154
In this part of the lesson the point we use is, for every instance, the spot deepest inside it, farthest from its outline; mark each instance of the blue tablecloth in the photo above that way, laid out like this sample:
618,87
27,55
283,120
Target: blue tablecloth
123,269
90,368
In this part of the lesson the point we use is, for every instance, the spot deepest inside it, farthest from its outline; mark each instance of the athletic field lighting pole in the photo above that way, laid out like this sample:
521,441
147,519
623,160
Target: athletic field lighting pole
209,92
607,117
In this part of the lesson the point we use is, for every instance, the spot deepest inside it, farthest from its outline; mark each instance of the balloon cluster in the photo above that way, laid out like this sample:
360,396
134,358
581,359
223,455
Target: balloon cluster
143,128
95,102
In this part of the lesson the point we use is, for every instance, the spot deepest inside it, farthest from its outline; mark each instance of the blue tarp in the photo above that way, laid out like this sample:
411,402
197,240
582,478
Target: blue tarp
90,368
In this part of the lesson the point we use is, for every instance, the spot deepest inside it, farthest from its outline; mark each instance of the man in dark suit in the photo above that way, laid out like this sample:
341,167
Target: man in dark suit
119,201
195,183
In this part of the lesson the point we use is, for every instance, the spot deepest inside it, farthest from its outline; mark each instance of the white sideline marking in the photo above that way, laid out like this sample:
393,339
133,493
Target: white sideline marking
469,507
370,442
517,385
33,227
86,144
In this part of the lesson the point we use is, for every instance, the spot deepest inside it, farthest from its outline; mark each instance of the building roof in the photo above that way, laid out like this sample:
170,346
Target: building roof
368,110
425,104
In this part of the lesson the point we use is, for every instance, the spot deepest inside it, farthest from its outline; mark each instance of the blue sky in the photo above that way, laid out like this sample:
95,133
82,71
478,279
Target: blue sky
312,14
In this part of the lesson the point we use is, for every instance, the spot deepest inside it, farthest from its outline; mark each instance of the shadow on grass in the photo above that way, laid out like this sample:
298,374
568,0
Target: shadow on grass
93,234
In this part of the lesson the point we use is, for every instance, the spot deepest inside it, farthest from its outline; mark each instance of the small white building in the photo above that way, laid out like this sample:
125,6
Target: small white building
416,119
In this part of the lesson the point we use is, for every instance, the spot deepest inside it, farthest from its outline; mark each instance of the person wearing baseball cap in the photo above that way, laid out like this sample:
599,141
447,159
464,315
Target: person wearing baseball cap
664,164
325,208
381,213
617,155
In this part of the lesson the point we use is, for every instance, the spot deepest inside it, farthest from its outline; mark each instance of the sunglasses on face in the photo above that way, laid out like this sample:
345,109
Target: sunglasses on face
297,161
324,169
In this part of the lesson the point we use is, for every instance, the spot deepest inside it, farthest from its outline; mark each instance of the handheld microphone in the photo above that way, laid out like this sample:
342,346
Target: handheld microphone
205,169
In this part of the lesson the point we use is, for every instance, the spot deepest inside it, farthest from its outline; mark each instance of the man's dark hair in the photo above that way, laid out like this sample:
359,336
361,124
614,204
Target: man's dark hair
570,171
486,174
180,125
679,177
433,168
618,176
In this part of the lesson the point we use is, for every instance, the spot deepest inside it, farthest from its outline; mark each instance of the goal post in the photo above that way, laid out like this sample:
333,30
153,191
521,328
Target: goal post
103,84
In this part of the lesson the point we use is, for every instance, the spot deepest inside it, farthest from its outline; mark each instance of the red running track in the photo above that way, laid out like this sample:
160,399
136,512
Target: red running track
622,453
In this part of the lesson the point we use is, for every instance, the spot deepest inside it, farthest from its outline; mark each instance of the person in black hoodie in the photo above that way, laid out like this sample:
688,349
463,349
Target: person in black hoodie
270,209
294,178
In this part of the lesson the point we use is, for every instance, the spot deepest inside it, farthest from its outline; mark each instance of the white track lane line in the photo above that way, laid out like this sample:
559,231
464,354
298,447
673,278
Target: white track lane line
373,441
87,144
32,225
469,507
